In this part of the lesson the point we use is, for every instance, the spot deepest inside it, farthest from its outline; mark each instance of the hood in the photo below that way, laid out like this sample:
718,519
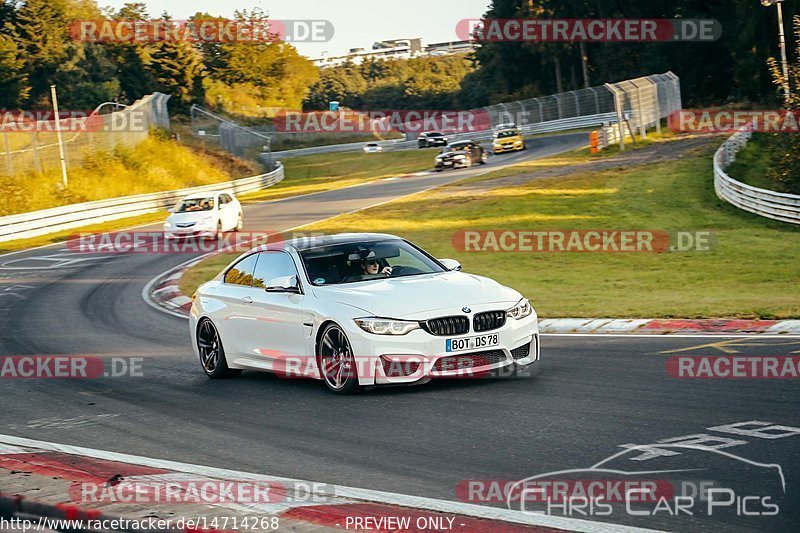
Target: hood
421,297
450,153
192,216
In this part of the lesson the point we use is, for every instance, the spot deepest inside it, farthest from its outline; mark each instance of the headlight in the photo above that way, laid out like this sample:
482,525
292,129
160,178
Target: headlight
386,326
521,310
459,157
167,225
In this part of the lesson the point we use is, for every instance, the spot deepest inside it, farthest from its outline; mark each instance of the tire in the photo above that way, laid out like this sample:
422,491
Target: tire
239,223
484,157
212,354
336,361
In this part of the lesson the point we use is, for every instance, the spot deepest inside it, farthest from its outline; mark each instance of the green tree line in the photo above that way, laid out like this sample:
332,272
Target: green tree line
733,68
37,50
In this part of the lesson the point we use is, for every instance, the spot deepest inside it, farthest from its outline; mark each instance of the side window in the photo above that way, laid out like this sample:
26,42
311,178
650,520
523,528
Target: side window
272,265
242,272
224,199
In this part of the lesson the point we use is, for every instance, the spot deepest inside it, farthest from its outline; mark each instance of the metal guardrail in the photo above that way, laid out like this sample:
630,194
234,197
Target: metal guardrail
775,205
641,103
43,222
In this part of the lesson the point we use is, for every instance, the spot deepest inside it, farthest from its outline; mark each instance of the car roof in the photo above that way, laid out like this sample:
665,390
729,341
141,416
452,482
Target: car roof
431,133
208,194
306,243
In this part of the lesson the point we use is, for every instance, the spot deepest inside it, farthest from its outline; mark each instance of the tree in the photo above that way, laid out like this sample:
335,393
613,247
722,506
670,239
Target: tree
784,167
13,80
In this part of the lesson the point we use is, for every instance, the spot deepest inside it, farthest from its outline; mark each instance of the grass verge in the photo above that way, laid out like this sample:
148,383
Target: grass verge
316,173
156,164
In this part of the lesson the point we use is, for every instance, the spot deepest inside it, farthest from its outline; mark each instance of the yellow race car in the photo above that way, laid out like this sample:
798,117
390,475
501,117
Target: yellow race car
509,140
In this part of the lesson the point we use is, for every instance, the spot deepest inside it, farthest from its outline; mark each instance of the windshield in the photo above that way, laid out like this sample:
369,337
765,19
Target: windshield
507,133
433,134
363,261
190,205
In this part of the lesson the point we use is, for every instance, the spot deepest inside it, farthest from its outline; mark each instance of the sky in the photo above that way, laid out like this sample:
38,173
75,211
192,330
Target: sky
357,23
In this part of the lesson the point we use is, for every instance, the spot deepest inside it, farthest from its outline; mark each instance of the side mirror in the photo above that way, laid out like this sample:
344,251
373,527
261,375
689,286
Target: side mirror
450,264
283,284
170,210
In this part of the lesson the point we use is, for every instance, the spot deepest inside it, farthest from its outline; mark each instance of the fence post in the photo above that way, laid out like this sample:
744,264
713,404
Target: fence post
8,154
620,117
37,161
596,101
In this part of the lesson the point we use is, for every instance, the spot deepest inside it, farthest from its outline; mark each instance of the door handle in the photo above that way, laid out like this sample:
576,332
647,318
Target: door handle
247,300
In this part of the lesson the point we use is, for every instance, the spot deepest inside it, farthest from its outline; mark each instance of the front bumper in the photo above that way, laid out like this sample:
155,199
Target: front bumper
407,359
188,233
499,149
451,163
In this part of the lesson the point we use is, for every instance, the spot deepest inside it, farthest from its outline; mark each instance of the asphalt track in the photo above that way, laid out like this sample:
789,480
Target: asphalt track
589,396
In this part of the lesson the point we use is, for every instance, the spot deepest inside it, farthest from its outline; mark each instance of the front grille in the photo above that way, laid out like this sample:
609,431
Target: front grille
522,352
467,361
185,224
489,320
446,326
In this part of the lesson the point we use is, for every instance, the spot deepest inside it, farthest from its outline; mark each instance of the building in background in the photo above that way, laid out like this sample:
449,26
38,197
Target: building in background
395,49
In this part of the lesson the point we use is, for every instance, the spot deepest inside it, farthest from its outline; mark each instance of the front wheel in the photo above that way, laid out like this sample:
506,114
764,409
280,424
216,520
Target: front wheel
212,354
337,362
484,157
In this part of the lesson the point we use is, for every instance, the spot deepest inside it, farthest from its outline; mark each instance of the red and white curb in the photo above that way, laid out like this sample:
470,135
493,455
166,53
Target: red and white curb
85,465
664,326
163,293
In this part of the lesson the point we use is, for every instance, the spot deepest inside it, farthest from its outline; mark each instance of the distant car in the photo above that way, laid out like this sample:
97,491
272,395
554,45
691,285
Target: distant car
462,154
204,215
509,140
372,148
431,138
357,310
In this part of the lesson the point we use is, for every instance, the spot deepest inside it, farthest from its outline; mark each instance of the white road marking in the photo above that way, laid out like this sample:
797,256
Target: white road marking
414,502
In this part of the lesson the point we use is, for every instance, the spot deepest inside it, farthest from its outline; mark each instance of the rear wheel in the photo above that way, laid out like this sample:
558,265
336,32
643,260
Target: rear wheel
336,361
212,354
239,223
484,157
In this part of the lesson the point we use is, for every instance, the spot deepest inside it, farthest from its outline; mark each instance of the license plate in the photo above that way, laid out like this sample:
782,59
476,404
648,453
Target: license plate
472,343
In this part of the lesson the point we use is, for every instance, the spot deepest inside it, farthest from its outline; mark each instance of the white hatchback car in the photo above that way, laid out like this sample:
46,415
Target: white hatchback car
204,215
357,310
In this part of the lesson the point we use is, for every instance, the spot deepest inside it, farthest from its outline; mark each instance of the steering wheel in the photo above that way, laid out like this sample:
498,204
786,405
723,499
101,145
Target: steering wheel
404,271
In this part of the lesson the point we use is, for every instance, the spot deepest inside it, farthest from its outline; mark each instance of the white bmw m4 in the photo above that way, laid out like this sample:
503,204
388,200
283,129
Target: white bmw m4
356,310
